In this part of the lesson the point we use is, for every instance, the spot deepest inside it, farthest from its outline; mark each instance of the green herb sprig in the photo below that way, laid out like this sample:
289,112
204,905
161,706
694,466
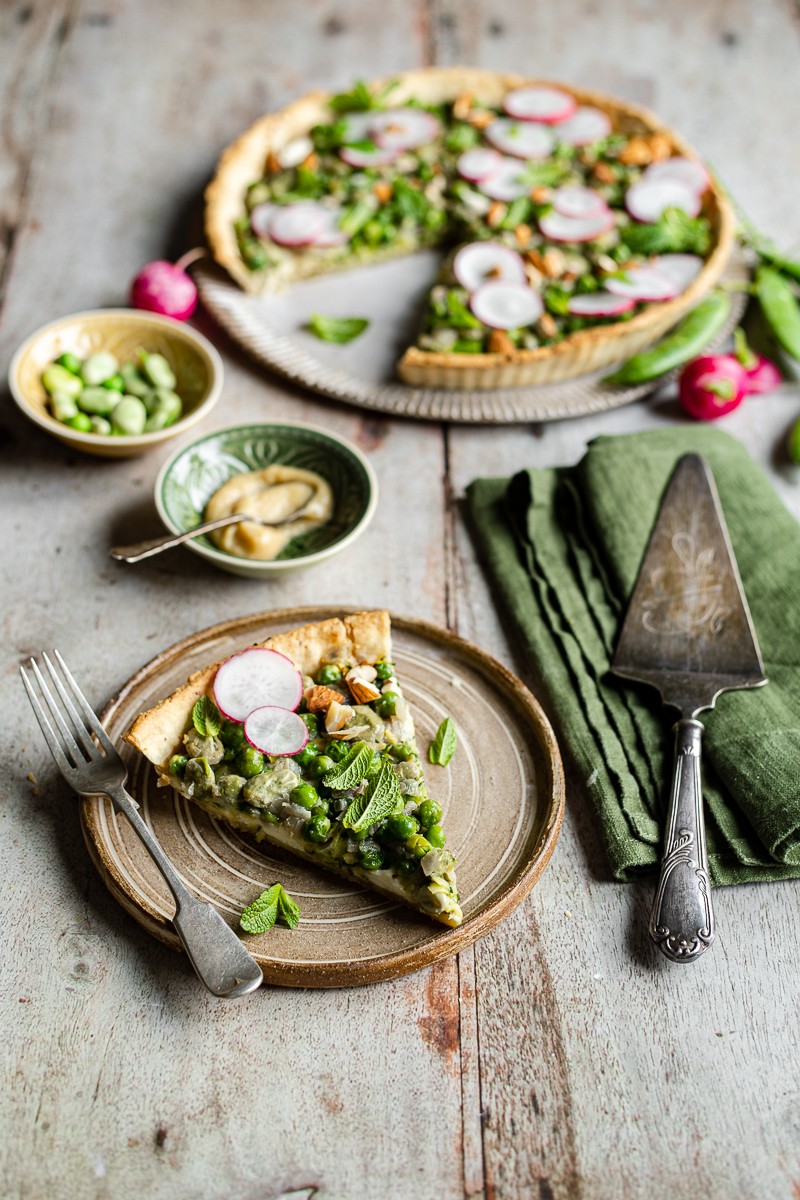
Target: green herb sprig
275,904
443,746
337,329
206,717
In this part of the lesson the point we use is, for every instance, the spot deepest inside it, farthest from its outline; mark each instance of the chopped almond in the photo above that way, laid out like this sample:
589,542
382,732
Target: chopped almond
604,173
319,698
363,692
523,234
462,106
311,161
273,163
338,715
540,194
480,118
382,192
553,263
569,276
497,210
500,342
547,326
643,150
536,259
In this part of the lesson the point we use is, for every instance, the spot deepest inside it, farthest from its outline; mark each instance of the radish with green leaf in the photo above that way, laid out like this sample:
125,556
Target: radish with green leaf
711,386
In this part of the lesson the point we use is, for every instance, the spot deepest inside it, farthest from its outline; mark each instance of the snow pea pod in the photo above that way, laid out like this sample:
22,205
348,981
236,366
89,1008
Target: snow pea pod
780,308
684,342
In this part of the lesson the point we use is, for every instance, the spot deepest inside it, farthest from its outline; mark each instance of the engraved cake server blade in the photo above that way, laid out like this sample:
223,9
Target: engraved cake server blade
688,633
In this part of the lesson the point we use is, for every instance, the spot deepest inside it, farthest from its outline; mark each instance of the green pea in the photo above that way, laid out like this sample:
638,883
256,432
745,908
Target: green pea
689,337
418,845
370,860
328,674
63,407
320,764
311,723
429,813
405,867
402,751
780,308
98,368
70,362
386,705
254,254
156,368
100,425
359,835
249,762
306,756
177,764
402,826
232,734
115,383
98,401
128,417
321,808
435,836
257,193
81,422
305,795
58,379
385,670
135,385
794,443
317,828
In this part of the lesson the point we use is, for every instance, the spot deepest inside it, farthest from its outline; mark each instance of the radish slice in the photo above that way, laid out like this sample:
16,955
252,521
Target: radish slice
331,234
357,127
507,182
379,157
297,224
506,305
481,262
404,128
254,678
260,218
276,731
600,304
578,202
520,138
539,104
643,283
648,199
295,151
558,228
682,269
585,126
688,171
479,163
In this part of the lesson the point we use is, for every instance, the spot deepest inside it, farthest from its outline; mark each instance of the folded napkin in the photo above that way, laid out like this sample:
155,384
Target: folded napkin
563,549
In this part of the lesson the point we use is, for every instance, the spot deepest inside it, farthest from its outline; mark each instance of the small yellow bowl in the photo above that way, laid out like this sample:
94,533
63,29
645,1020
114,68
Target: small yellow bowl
197,366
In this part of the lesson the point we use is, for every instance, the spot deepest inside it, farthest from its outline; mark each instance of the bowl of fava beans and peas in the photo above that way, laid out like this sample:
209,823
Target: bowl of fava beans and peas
115,382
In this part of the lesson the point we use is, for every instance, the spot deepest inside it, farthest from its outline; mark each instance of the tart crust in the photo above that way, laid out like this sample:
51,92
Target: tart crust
579,353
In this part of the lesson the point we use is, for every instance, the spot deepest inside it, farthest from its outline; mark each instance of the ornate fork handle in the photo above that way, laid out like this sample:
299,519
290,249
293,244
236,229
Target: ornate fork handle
682,920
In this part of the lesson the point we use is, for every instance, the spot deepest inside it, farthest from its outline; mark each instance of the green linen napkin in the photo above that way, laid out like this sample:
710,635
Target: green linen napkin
563,549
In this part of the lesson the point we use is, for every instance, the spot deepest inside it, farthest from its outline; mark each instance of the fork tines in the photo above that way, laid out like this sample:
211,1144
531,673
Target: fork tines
71,747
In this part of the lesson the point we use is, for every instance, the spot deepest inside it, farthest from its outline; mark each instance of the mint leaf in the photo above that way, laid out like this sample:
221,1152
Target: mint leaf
206,717
351,770
380,798
337,329
443,746
674,232
275,904
359,99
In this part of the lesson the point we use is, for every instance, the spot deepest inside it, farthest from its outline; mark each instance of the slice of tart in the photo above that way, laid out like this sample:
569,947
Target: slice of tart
312,747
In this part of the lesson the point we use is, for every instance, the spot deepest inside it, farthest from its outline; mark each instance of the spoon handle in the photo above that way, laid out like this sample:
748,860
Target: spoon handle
139,550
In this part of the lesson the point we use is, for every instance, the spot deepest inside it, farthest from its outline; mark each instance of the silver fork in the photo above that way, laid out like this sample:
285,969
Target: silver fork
88,760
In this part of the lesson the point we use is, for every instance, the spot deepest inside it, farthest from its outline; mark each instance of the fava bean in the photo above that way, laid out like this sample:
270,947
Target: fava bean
70,362
684,342
165,411
81,422
114,383
156,368
128,418
98,368
100,425
58,379
98,401
135,385
63,406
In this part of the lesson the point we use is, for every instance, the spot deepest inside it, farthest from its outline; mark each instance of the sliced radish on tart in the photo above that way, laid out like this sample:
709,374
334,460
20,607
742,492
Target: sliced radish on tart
260,218
688,171
486,262
479,163
295,152
644,283
545,104
356,127
600,304
586,125
558,228
296,224
649,198
404,128
276,731
506,305
682,269
356,156
520,138
578,202
331,234
255,678
508,182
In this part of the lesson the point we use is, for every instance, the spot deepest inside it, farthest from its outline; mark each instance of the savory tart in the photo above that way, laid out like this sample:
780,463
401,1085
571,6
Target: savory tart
576,228
306,741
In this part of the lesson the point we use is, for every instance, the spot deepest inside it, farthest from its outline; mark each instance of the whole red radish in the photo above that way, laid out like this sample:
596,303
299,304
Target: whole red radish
712,386
166,288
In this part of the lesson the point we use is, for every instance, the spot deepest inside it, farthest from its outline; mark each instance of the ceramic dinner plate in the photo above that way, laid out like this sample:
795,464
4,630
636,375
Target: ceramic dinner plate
502,795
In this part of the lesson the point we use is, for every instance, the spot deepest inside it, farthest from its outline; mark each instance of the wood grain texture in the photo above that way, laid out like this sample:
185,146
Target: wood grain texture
559,1057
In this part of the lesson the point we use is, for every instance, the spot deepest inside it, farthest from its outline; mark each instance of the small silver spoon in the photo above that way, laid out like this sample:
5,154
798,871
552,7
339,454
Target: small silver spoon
139,550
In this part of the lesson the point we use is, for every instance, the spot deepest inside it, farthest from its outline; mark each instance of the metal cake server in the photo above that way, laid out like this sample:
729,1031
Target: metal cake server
688,633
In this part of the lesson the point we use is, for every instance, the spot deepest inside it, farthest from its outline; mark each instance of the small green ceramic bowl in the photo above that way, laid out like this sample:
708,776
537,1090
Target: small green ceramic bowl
187,481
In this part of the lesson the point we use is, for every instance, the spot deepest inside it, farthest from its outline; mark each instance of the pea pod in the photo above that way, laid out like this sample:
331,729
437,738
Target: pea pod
684,342
780,308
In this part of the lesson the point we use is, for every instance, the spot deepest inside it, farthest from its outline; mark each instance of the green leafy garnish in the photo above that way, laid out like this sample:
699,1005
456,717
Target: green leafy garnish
460,315
275,904
461,137
443,746
337,329
351,769
381,797
206,717
411,202
358,99
673,233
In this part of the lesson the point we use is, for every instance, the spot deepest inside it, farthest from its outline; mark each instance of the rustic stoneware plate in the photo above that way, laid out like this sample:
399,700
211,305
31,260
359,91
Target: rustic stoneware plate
502,794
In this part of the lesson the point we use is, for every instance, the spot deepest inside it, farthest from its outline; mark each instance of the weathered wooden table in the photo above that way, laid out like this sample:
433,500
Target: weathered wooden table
561,1057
